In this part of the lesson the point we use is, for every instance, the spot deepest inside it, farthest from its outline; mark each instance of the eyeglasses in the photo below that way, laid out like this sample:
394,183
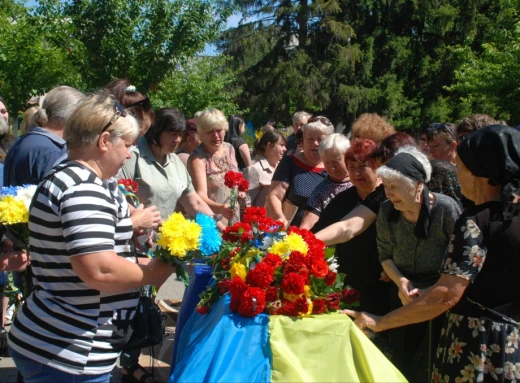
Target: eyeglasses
323,120
119,112
444,128
144,103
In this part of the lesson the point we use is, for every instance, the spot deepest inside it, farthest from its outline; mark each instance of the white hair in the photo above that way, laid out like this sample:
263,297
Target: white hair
318,126
390,174
336,142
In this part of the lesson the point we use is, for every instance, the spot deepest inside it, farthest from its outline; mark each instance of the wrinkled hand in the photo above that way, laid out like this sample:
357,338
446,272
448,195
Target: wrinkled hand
366,322
144,219
226,212
407,292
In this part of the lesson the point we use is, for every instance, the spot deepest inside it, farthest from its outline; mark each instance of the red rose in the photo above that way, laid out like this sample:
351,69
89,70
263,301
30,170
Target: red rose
262,275
350,296
333,300
319,268
252,302
330,278
202,310
293,283
273,260
318,306
271,294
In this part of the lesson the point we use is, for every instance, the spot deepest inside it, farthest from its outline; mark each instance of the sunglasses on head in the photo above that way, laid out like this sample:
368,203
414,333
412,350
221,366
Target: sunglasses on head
144,103
119,112
323,120
444,128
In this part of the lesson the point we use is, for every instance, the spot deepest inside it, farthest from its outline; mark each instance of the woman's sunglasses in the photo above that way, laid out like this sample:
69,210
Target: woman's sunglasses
144,103
324,120
119,112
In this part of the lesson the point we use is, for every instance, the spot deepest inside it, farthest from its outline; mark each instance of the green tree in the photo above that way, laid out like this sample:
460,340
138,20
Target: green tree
489,79
200,83
29,61
137,39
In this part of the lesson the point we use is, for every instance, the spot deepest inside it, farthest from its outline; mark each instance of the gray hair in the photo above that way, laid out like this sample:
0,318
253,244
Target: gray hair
390,174
335,142
58,105
299,116
318,126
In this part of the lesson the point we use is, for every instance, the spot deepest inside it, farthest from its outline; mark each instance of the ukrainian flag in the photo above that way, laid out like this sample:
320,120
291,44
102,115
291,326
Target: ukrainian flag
225,347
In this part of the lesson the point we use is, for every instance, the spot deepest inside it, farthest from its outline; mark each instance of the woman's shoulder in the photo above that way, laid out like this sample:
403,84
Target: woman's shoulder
446,203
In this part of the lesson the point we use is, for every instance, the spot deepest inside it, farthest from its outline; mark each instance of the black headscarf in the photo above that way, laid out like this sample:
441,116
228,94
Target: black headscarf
494,153
411,167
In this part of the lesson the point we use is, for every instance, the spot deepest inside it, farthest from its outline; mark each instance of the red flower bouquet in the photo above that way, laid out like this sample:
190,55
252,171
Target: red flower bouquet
129,187
237,183
265,269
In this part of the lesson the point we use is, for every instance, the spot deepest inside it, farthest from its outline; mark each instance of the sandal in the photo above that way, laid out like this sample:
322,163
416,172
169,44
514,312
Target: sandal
130,378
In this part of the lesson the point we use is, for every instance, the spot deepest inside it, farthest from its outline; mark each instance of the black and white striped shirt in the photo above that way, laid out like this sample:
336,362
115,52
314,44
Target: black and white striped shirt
64,323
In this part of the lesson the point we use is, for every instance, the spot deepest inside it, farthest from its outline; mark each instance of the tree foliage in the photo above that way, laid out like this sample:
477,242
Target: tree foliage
346,57
201,83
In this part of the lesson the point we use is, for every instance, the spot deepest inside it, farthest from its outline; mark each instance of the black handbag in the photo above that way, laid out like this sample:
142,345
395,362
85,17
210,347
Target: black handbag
148,327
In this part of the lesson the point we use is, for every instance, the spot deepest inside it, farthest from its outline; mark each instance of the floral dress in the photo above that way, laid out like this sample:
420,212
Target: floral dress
480,337
216,168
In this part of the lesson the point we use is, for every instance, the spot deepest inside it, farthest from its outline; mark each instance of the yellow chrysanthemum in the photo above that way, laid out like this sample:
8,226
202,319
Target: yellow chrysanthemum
13,211
292,242
238,270
179,235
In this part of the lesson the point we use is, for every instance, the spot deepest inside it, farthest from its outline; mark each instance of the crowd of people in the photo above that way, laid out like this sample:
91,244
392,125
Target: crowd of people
426,229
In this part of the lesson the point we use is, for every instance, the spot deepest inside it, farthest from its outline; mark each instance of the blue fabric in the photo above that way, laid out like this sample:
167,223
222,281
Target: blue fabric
223,347
32,156
200,277
1,175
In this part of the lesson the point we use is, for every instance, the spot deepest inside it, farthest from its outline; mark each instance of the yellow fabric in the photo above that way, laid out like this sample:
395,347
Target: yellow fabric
325,348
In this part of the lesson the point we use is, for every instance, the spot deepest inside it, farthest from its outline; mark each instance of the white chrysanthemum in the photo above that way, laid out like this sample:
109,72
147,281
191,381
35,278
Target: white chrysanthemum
26,194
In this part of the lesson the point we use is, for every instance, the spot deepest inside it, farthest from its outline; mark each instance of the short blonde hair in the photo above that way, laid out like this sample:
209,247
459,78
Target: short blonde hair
336,142
92,115
211,118
317,126
371,126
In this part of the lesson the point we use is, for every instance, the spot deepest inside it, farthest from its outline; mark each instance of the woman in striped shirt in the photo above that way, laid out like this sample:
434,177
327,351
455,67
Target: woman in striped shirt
86,280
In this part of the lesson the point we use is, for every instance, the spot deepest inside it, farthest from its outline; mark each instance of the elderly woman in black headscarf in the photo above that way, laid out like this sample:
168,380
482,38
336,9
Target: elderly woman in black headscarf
479,283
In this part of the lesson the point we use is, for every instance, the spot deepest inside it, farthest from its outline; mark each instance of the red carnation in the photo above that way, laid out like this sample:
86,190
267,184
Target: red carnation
224,263
252,214
350,296
232,179
305,274
293,283
271,294
302,305
202,310
262,275
252,302
333,300
319,268
318,306
236,288
330,278
243,185
239,231
287,308
273,260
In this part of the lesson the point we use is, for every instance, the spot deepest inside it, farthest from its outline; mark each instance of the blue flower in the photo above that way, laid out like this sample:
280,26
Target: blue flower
8,190
211,240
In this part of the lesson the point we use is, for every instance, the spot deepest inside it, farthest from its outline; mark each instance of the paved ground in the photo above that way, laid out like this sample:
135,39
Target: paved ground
171,292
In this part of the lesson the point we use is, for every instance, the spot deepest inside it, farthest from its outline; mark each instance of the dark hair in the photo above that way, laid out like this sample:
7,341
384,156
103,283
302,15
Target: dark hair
126,94
446,130
233,132
166,120
270,137
386,149
361,150
298,137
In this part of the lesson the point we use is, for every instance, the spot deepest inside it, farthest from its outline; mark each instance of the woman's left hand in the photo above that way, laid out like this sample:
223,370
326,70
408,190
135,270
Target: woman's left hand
365,321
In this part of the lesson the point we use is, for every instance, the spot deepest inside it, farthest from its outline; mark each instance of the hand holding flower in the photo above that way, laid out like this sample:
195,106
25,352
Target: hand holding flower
226,212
